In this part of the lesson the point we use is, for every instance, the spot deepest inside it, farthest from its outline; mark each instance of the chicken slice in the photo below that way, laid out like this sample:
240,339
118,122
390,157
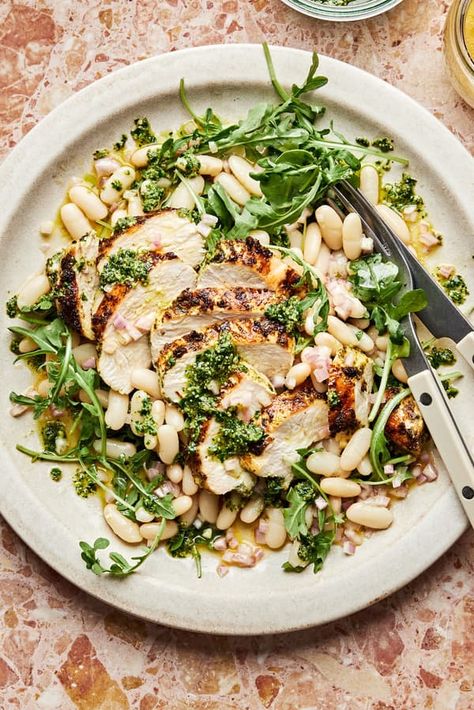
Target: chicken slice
247,392
294,420
125,314
349,388
165,231
262,343
405,428
76,281
196,309
217,476
247,264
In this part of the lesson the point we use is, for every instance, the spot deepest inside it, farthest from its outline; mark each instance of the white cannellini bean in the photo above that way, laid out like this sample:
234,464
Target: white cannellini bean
117,410
139,158
150,530
394,221
43,387
32,290
275,534
372,516
364,341
126,529
182,504
335,503
312,243
360,323
381,343
352,236
134,203
330,225
252,508
324,463
122,179
189,485
241,168
168,443
116,448
74,220
27,345
182,197
174,416
118,214
340,487
208,506
83,353
136,406
297,374
261,236
102,396
234,189
175,473
146,380
341,331
328,341
143,516
158,409
365,467
356,449
209,165
88,202
398,371
369,183
226,518
296,239
189,517
322,261
46,228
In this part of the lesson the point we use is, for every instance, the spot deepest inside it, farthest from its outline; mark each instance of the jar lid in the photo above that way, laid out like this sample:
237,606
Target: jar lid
353,10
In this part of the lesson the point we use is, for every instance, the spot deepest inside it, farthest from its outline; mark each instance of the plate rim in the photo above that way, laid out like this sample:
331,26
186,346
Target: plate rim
318,13
17,522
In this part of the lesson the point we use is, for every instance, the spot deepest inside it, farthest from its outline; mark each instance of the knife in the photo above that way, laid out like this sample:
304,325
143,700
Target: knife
425,387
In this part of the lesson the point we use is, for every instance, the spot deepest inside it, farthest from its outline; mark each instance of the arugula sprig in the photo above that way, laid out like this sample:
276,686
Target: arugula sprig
377,284
64,372
120,567
187,541
379,452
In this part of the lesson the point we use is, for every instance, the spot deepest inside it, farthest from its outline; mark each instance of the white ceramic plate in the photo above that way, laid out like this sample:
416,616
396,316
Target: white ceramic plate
49,516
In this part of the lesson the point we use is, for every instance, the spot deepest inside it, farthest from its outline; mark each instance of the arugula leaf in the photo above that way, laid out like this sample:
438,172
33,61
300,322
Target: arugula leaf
185,543
379,452
120,567
299,497
313,549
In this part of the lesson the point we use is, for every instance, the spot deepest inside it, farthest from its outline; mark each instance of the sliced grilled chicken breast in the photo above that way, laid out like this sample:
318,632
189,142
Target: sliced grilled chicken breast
349,386
294,420
196,309
405,428
76,283
217,476
164,231
247,264
247,392
262,343
125,313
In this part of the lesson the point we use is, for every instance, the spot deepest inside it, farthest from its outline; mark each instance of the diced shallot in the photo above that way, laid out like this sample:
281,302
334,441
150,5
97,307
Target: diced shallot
320,503
89,363
145,322
446,270
381,501
220,544
389,468
348,547
319,360
430,472
222,570
203,229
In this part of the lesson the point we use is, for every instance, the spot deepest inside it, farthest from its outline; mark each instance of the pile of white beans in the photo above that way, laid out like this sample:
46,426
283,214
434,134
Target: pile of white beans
326,242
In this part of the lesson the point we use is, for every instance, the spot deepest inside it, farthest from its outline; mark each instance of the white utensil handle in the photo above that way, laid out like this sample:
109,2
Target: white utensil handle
434,407
466,348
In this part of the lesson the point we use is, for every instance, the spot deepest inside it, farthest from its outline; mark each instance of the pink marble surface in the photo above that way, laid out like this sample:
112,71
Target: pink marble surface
59,649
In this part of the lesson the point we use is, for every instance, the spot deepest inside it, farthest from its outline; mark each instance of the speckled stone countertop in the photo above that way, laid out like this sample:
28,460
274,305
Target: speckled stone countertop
59,649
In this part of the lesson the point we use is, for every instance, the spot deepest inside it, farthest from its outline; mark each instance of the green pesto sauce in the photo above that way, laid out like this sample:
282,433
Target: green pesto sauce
147,424
234,437
127,267
455,287
402,193
213,366
142,134
288,313
440,356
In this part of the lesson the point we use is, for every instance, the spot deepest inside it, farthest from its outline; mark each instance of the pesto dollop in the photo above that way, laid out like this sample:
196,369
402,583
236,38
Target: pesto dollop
127,267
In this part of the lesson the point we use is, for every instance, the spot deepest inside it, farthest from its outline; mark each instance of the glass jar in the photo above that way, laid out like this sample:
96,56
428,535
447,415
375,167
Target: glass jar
459,48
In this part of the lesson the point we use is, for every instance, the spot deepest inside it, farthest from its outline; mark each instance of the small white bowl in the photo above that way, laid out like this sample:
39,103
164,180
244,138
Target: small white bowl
354,10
